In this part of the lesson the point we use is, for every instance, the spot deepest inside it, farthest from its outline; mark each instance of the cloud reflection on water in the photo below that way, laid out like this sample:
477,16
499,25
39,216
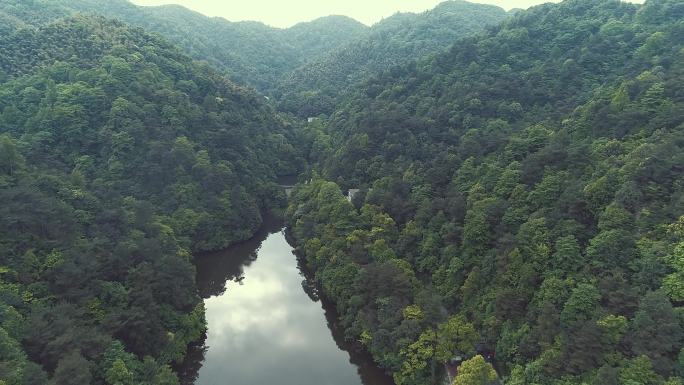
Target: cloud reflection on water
265,328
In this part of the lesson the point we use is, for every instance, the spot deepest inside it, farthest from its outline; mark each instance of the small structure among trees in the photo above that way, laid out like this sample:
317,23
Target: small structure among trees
351,193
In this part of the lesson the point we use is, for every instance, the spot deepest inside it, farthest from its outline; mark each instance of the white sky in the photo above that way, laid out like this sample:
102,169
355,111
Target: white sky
285,13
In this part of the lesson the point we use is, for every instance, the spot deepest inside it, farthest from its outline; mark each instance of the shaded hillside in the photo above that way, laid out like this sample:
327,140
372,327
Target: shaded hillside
315,87
250,53
119,156
521,196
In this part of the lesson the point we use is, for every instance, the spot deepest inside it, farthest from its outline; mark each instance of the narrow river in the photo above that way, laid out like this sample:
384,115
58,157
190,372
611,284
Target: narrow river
263,327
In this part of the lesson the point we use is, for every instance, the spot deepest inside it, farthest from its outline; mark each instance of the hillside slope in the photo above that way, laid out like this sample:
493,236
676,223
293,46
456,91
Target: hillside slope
521,197
316,86
119,157
251,53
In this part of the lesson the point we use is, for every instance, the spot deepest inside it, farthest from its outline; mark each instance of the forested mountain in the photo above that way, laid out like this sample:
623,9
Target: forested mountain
316,86
522,197
307,66
119,157
521,193
250,53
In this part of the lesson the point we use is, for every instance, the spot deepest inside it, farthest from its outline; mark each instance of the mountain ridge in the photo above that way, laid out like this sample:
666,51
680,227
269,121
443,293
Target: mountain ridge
312,88
263,53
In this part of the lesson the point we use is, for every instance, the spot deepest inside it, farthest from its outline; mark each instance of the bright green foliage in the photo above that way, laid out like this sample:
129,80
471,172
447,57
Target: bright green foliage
413,312
639,371
673,284
454,336
10,158
613,326
118,374
475,371
418,357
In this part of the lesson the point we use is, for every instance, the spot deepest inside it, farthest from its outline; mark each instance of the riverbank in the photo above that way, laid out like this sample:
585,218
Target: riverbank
259,315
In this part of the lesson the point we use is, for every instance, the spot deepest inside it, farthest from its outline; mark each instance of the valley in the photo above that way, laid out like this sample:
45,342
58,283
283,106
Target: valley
176,204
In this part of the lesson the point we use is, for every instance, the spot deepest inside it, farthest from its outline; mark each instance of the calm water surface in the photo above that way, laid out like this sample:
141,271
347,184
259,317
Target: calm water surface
263,327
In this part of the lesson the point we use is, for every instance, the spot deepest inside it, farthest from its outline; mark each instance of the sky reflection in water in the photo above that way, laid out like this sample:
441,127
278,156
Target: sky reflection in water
263,327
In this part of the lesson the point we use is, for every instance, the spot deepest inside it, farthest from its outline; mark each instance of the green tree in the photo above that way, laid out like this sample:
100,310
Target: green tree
614,327
567,257
72,368
673,284
10,158
455,336
118,373
656,331
418,358
639,371
475,371
582,304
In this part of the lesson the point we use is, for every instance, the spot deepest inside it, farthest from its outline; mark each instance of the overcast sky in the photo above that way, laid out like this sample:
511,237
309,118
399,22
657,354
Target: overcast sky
285,13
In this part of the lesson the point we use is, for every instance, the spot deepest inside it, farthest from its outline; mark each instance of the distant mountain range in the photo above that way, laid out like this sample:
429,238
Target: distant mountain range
250,53
316,86
287,60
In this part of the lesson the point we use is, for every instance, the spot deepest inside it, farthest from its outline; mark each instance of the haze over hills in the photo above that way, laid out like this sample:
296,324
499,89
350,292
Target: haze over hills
263,57
250,53
520,185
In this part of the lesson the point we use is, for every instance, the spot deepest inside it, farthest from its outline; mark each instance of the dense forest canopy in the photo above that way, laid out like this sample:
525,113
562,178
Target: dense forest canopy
305,66
521,197
119,157
316,87
251,53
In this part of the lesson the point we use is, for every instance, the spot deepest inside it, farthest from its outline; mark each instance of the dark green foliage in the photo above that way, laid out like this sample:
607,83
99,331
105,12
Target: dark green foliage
72,369
657,333
317,86
119,157
532,177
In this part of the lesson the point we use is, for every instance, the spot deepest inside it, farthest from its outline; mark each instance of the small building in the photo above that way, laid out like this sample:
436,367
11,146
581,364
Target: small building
310,120
351,193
